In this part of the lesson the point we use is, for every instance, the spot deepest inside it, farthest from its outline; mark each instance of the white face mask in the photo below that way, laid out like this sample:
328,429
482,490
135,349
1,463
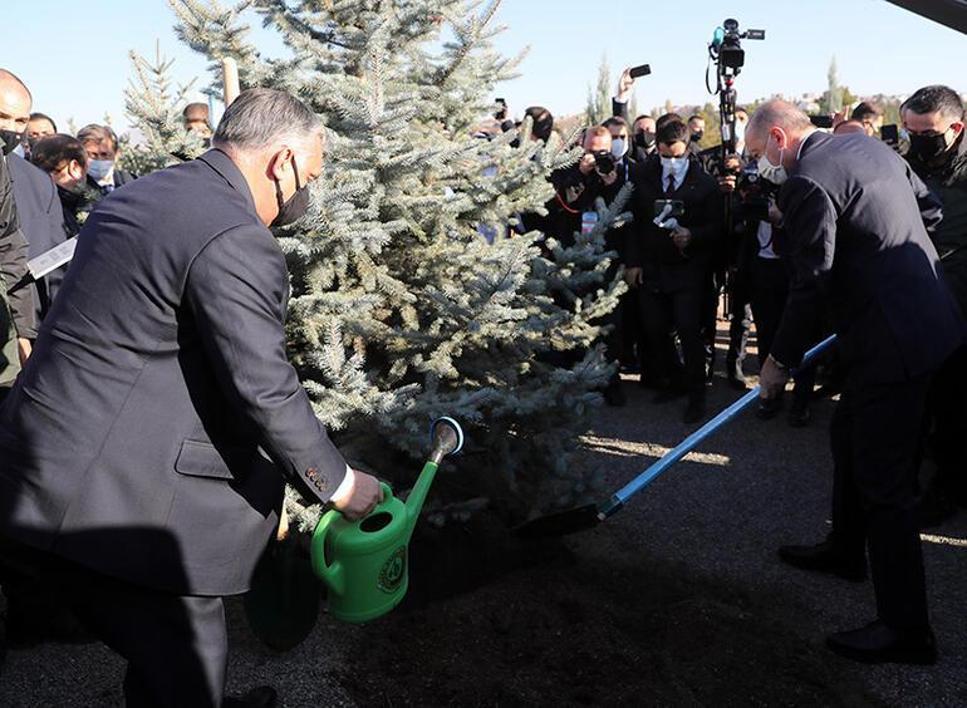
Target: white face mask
99,169
774,173
674,165
619,146
739,131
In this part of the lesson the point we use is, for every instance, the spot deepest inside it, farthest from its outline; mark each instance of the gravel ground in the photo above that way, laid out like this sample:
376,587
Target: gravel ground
713,522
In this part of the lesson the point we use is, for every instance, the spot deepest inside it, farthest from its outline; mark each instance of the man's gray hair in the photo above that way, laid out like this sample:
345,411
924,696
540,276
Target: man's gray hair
260,116
780,114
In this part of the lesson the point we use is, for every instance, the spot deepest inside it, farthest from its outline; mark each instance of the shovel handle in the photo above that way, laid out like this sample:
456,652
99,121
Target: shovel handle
693,440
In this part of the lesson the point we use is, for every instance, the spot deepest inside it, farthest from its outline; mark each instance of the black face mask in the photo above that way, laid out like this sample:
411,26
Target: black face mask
928,148
10,141
296,206
697,136
644,139
69,198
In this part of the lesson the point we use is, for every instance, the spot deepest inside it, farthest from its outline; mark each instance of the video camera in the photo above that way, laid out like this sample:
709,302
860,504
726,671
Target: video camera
726,47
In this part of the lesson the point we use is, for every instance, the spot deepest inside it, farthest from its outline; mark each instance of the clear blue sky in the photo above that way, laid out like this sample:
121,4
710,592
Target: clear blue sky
73,54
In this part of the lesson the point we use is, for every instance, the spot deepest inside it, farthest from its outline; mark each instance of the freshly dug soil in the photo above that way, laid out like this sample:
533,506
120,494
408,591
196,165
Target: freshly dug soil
492,621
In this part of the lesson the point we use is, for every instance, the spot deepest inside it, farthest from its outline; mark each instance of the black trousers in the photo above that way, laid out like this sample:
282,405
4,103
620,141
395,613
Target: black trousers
948,411
682,311
769,286
176,646
876,434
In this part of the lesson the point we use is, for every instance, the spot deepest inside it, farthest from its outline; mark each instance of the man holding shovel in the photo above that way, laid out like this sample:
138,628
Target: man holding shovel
856,219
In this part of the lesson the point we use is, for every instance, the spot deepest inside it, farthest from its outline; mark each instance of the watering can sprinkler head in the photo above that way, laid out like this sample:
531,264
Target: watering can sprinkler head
446,437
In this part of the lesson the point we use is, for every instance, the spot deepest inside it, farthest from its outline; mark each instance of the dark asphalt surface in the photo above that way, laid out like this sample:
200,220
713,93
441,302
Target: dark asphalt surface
721,513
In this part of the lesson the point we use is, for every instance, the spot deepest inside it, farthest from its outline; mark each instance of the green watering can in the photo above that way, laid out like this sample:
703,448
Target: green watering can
365,563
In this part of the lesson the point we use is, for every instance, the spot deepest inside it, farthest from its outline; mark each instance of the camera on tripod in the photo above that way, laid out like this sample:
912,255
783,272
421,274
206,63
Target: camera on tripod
726,47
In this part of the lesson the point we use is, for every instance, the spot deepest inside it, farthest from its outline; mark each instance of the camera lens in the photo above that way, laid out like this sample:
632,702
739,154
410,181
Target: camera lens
604,162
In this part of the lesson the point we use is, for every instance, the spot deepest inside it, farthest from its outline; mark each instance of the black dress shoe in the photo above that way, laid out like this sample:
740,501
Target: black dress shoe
825,558
877,643
738,383
261,697
694,411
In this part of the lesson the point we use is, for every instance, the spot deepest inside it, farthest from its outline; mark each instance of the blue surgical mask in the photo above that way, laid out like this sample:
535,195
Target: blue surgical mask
99,169
619,146
675,165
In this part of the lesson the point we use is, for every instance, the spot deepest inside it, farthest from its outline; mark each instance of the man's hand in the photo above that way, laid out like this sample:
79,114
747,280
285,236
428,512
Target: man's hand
633,276
24,348
772,379
359,498
625,84
682,237
775,216
609,178
587,164
729,180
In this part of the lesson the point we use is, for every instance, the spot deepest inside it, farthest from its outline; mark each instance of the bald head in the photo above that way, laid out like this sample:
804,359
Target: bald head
15,102
779,114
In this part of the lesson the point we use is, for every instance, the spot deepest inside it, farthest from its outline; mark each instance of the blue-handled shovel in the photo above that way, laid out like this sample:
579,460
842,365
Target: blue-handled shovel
590,515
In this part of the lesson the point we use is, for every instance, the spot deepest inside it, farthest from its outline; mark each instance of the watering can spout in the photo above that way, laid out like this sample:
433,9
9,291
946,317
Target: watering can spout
447,439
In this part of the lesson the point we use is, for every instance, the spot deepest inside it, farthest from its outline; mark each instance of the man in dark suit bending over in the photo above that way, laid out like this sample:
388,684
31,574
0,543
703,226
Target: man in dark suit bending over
856,218
146,445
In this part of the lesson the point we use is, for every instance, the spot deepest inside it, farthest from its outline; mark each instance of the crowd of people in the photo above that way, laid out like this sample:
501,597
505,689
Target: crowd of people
725,254
800,233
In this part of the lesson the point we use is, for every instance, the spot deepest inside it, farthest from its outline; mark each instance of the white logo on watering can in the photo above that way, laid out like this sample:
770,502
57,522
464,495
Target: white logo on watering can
393,571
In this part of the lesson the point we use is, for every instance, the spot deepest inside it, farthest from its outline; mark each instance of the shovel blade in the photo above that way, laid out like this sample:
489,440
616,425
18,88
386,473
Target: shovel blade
560,523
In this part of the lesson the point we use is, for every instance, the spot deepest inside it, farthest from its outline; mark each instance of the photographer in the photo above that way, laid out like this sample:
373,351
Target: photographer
934,118
762,276
596,174
669,266
729,273
577,188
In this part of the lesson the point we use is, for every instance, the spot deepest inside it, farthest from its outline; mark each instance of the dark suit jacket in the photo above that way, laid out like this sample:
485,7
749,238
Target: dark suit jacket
856,218
13,261
133,441
652,249
41,220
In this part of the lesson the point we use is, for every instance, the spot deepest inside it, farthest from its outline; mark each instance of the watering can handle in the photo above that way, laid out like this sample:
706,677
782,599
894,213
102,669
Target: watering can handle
322,570
322,530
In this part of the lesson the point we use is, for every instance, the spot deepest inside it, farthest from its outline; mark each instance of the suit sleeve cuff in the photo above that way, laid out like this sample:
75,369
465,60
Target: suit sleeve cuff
344,487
